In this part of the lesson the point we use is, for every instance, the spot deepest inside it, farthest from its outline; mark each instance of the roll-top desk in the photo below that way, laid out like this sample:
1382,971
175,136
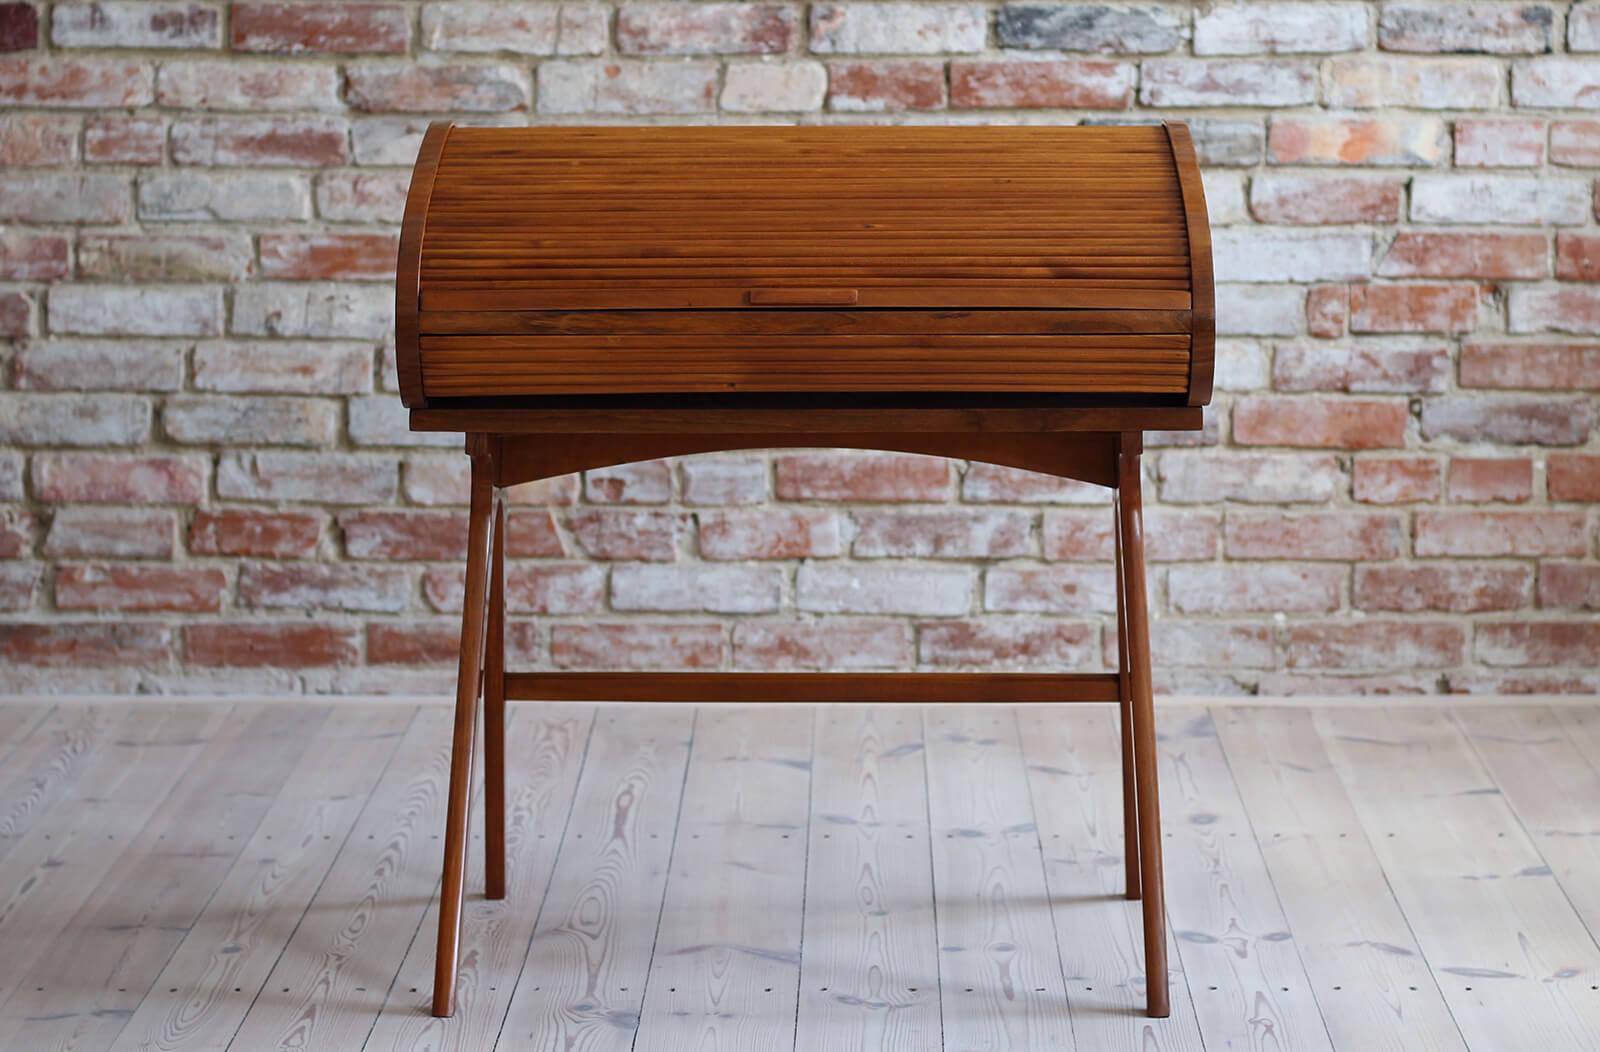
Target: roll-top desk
572,298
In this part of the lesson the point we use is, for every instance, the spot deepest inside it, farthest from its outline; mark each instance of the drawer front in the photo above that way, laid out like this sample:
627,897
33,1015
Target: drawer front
474,354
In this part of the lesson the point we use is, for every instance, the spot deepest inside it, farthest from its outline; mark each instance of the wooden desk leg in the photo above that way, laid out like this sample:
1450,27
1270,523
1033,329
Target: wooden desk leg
469,679
1130,513
1130,795
494,716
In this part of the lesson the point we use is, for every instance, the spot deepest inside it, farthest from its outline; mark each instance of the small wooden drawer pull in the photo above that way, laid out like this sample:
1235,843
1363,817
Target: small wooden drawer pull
802,297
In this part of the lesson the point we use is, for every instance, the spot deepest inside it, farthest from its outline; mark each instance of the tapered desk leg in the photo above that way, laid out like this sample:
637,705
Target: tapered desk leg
1130,796
1130,513
469,679
494,716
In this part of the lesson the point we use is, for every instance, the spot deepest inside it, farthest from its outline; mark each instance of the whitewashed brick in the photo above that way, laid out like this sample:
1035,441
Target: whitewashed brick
1368,82
74,419
620,88
1225,202
898,28
313,309
65,199
322,478
1236,28
523,29
1513,199
1260,310
1462,28
1108,29
229,420
381,420
1556,82
768,87
144,24
721,589
1270,254
214,197
113,310
236,85
926,591
1227,82
99,365
283,366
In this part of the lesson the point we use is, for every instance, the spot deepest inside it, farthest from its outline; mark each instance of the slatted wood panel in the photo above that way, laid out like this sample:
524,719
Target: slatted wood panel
555,260
166,884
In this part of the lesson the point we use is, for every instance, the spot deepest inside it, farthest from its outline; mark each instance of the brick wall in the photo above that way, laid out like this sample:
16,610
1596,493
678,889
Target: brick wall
206,480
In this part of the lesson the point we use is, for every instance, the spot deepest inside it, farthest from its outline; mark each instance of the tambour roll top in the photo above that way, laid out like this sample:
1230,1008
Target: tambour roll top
1069,261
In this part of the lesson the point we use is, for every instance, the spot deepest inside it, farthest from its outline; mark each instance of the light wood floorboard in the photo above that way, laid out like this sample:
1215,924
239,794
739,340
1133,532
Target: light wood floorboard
180,876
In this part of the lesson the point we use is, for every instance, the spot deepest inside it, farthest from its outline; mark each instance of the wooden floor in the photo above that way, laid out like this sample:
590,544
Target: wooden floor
261,876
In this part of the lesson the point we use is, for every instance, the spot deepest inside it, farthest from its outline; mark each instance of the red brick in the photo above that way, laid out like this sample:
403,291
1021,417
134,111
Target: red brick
1027,643
1460,588
1577,256
1171,535
1478,479
409,88
1413,308
280,644
1500,533
86,644
705,29
1538,643
1328,311
114,138
124,533
74,82
1575,143
1321,199
1554,366
16,315
33,257
1266,588
1336,535
38,140
16,533
532,534
1034,84
1573,476
835,643
769,533
110,478
404,535
644,482
954,534
638,645
1499,143
616,534
436,643
863,477
1507,418
263,534
1374,645
1425,254
131,586
1364,368
1573,586
337,256
344,28
881,86
19,27
993,484
305,142
1387,140
1318,423
1396,480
